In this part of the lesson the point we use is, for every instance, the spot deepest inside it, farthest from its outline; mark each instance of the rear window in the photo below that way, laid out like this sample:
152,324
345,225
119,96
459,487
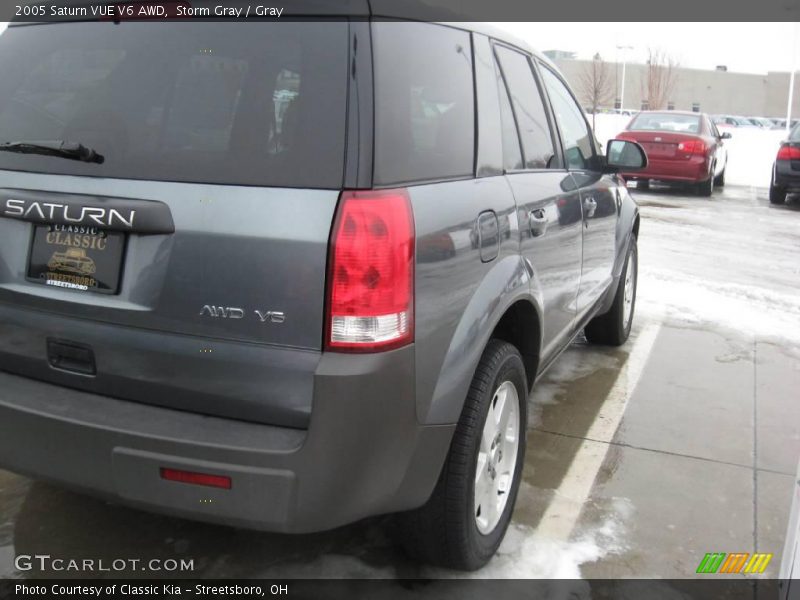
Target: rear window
256,104
794,134
424,103
666,122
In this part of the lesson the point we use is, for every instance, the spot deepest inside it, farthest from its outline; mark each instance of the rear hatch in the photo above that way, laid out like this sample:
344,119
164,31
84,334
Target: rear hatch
188,268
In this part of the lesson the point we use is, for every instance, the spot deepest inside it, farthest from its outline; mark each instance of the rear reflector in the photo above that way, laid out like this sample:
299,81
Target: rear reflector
789,153
371,273
217,481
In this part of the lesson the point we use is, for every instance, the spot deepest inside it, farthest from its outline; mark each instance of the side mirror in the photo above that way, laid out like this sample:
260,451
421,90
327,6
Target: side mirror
624,156
726,136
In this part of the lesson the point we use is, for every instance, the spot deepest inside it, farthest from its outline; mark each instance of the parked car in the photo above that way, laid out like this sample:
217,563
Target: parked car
781,123
761,122
731,121
276,355
682,147
786,168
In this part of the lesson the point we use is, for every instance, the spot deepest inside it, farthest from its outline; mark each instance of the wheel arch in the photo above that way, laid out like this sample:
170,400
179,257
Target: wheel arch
502,303
520,326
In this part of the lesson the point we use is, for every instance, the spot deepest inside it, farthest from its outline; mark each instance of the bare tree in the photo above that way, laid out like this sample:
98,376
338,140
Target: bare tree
596,84
659,79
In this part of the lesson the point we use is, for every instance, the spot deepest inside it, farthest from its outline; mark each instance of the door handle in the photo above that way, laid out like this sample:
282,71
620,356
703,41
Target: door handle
590,206
537,220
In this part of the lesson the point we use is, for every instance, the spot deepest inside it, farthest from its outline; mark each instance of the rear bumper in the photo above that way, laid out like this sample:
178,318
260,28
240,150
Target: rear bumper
364,453
691,170
785,177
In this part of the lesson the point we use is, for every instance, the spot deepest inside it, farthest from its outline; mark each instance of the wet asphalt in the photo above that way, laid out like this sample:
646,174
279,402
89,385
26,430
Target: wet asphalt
640,459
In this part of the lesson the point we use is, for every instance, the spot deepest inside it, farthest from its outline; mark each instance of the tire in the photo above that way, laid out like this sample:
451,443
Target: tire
719,180
446,531
777,195
614,327
705,188
643,184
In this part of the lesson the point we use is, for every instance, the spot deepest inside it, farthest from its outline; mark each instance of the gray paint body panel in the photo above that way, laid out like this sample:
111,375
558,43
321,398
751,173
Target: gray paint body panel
235,395
236,250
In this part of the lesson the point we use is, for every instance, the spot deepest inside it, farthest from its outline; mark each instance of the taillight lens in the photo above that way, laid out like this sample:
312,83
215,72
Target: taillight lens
789,153
692,147
371,272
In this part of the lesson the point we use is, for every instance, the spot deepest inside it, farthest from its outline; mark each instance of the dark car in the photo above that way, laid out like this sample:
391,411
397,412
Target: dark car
336,257
786,169
682,147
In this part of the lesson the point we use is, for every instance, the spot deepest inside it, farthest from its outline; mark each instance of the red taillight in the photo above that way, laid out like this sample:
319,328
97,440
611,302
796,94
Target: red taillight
692,147
371,272
218,481
789,153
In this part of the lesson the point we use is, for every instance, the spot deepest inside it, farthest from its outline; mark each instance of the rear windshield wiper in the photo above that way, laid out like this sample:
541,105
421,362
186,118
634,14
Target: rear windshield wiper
59,148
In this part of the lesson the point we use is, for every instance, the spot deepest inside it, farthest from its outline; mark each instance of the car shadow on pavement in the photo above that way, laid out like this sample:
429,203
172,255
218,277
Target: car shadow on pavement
64,524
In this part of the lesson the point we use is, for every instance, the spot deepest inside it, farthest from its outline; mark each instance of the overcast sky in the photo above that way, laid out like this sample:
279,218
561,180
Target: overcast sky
744,47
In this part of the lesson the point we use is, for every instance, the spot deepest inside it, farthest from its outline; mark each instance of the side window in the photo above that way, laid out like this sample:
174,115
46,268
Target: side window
714,130
534,130
512,154
575,133
424,102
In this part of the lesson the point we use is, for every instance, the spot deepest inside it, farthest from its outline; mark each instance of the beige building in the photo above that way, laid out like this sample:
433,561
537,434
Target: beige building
720,91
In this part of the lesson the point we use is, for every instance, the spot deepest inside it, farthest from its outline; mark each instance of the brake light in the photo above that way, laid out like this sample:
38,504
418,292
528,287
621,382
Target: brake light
218,481
789,153
692,147
371,272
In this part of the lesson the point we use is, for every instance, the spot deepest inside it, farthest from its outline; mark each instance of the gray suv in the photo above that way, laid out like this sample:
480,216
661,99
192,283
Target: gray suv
313,268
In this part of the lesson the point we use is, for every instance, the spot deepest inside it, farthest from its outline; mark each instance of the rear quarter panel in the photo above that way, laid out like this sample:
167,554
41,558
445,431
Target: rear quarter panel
459,298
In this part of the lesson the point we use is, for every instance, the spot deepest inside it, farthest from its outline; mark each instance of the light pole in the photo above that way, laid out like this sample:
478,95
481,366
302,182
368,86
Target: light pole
791,80
622,86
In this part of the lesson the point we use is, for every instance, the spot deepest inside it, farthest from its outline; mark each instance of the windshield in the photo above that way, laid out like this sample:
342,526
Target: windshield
666,122
262,104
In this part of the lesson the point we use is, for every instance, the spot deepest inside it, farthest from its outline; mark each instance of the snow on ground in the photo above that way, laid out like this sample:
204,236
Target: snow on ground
751,151
728,262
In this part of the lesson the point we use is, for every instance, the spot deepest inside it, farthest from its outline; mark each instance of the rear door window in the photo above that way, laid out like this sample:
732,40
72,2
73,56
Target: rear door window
512,152
424,103
526,99
259,104
575,133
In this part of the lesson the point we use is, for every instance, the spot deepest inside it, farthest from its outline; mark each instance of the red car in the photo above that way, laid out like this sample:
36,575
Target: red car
683,147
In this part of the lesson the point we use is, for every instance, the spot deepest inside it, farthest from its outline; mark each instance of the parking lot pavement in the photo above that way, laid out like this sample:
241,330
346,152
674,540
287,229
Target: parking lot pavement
640,460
